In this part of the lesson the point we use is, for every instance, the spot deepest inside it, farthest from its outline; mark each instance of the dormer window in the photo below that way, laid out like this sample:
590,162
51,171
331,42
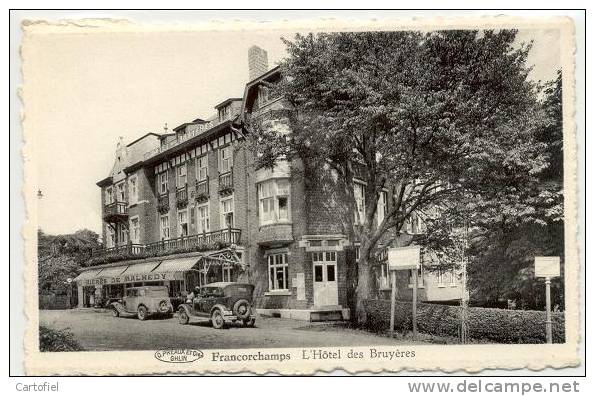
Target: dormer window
263,96
224,113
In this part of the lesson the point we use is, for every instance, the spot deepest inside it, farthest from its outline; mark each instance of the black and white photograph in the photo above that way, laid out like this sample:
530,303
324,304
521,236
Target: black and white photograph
299,197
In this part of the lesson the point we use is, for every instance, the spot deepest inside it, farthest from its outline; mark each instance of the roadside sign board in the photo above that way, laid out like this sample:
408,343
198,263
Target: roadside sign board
403,258
547,267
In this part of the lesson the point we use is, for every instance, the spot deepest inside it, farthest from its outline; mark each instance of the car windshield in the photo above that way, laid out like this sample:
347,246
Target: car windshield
211,291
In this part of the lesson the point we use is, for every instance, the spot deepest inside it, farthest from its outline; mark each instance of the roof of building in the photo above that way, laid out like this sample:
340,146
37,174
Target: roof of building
249,90
142,137
104,182
226,101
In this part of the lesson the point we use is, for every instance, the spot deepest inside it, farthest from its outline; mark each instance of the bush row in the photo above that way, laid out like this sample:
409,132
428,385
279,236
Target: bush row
57,341
489,324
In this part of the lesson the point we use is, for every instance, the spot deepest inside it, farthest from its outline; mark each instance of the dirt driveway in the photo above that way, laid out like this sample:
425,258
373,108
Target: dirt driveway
98,330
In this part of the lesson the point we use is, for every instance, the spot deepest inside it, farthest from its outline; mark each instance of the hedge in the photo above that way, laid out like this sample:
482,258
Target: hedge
488,324
57,341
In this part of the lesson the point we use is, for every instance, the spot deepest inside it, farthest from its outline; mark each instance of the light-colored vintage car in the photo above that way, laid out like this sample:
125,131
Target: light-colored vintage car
220,303
144,301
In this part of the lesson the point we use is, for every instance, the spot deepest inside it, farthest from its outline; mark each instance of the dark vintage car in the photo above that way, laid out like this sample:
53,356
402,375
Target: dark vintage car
144,301
221,303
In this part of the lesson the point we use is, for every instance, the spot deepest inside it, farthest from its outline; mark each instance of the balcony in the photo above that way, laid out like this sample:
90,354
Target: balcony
182,197
226,182
227,235
202,190
163,203
197,242
115,212
128,249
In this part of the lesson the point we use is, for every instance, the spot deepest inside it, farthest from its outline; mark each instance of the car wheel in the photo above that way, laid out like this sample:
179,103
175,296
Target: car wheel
242,309
217,319
249,322
142,312
183,317
115,312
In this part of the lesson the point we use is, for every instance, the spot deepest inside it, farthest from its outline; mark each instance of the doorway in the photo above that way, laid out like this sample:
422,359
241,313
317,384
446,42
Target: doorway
325,278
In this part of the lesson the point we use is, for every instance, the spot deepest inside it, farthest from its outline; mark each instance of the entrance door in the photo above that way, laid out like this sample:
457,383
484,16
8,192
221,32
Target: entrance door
325,278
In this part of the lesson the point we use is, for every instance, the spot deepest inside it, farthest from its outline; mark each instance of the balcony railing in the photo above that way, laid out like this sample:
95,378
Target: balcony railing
128,249
226,182
175,245
202,190
163,203
115,211
182,196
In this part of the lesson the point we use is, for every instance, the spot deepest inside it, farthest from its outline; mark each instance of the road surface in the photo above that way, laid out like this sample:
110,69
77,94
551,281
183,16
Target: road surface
98,330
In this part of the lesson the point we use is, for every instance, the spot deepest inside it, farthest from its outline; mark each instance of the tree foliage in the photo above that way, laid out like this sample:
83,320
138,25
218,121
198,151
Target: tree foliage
61,257
437,118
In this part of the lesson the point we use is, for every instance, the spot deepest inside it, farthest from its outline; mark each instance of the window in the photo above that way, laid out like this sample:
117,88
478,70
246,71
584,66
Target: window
111,237
278,271
163,183
440,277
182,223
384,282
133,190
122,235
202,168
164,226
414,224
224,113
273,198
452,277
225,159
109,195
134,230
121,194
381,209
181,176
227,212
202,214
420,277
359,194
263,96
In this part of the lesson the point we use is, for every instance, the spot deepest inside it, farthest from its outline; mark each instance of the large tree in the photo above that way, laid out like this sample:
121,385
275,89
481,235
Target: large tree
501,249
433,117
61,257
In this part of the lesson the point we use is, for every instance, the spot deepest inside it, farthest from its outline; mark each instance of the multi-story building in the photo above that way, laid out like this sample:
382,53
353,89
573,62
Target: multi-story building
188,208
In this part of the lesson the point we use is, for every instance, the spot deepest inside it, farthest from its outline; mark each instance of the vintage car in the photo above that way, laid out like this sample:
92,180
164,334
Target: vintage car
144,301
220,303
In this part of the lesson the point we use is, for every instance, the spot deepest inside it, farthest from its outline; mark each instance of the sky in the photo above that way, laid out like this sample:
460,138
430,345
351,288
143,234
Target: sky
83,90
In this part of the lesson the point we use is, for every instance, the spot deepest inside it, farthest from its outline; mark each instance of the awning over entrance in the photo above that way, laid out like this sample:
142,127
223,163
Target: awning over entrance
141,268
162,270
112,271
87,274
152,271
178,264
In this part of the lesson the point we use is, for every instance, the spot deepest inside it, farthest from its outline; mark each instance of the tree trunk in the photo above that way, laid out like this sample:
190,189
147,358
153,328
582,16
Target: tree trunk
364,287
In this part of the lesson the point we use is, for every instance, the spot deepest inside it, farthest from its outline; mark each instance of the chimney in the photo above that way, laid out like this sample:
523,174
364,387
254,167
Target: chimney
258,62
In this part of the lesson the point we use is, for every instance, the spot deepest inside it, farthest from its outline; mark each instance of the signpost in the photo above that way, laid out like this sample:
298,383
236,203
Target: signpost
403,258
548,268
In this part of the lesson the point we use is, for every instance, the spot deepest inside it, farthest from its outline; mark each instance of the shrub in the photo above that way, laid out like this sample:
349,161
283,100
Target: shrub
496,325
57,340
